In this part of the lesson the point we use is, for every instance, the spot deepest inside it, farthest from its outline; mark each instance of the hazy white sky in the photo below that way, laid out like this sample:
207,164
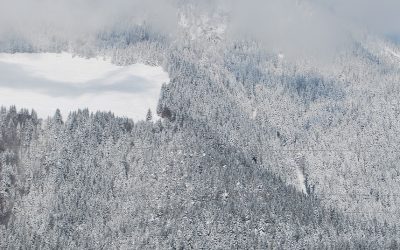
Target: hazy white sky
49,81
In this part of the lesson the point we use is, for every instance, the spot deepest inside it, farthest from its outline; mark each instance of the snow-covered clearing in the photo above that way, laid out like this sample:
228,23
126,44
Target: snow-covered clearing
47,81
302,180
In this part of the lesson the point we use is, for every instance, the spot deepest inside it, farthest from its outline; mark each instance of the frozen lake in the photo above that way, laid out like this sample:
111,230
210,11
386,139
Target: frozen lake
47,81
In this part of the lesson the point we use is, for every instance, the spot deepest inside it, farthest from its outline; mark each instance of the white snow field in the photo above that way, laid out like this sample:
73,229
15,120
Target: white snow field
47,81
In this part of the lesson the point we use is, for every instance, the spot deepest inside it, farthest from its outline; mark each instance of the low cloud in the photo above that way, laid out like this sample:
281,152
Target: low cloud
297,28
74,18
16,78
379,16
29,80
313,28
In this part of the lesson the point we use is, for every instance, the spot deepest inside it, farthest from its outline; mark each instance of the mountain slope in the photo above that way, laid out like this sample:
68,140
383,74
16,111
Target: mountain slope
98,181
252,151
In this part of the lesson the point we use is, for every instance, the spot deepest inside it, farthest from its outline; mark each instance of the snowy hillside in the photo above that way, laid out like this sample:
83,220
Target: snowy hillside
277,128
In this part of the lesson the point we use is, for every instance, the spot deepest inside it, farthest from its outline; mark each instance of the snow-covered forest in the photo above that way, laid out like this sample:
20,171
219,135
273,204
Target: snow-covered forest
249,149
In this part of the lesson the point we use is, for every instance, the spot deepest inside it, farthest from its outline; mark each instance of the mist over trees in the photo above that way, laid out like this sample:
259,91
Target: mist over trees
252,150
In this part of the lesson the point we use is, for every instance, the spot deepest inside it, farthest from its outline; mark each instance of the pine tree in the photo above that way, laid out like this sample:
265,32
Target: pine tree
58,117
149,116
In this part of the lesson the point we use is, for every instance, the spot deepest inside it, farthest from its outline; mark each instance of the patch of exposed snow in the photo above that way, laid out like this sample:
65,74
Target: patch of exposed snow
300,174
254,114
301,179
47,81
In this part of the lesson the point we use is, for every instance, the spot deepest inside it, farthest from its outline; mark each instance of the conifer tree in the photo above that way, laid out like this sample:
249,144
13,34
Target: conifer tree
149,116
